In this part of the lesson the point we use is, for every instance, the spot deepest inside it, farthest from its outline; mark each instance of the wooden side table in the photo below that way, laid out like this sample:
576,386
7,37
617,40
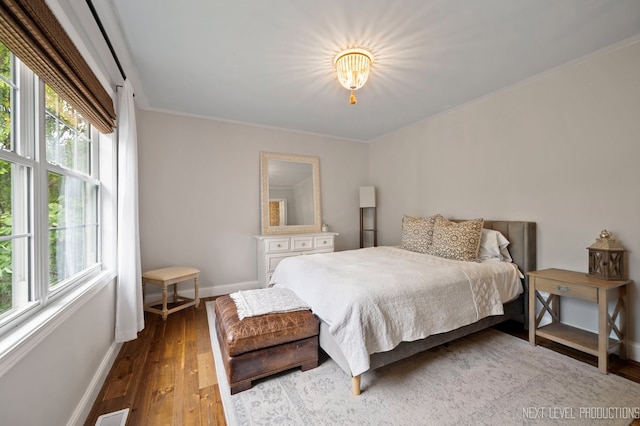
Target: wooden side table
166,277
578,285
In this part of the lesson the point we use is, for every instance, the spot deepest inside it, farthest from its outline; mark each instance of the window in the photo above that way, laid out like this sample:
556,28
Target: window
72,195
49,192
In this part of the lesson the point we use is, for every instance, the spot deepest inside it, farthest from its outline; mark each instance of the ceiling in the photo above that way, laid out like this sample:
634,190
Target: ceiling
270,63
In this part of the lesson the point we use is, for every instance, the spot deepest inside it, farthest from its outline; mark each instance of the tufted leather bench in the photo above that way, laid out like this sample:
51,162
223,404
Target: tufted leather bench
260,346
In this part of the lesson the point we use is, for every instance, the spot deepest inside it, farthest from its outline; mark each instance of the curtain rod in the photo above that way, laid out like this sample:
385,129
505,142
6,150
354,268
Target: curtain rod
106,38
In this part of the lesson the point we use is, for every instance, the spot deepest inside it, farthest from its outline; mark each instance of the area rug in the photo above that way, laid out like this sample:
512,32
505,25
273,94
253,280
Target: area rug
488,378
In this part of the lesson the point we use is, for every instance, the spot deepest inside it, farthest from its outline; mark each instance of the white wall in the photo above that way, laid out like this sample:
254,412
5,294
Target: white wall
562,150
56,381
59,358
200,193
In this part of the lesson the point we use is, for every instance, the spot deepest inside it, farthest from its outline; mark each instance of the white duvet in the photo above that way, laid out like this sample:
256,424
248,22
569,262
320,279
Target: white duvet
374,298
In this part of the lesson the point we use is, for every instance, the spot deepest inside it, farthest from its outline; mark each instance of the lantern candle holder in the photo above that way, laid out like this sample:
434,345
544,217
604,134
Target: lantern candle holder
607,258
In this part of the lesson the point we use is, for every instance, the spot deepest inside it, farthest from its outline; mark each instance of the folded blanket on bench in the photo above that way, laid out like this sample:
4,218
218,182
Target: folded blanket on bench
251,303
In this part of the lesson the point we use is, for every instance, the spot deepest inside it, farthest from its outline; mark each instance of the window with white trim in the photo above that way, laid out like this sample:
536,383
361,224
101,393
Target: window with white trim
49,193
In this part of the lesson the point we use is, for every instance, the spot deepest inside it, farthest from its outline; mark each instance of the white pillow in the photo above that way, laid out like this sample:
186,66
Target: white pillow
493,245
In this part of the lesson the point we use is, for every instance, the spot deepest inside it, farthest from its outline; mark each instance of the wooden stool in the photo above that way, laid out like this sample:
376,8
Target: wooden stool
166,277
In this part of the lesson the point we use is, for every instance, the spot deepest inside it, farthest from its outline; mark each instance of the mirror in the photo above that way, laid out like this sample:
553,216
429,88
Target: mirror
290,193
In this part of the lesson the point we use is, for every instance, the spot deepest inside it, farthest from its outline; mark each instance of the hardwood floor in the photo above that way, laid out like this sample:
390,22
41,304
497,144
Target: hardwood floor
167,376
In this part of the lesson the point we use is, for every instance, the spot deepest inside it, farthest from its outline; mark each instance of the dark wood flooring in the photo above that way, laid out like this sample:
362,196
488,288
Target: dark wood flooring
167,376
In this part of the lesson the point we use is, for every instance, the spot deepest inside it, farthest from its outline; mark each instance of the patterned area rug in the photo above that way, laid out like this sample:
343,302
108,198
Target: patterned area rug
489,378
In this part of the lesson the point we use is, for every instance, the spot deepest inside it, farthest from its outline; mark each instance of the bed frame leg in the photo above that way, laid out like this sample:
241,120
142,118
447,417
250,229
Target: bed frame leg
355,385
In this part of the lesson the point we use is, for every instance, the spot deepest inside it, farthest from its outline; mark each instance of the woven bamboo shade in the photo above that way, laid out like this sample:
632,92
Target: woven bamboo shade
31,31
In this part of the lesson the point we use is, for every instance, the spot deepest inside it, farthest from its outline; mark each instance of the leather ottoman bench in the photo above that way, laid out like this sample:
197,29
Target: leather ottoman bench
263,345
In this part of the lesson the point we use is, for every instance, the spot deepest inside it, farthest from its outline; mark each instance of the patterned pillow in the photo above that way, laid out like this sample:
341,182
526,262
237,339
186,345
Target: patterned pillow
417,233
457,241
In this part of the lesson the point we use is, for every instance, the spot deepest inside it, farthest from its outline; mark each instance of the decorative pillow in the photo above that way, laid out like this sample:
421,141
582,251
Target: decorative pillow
493,245
417,233
457,241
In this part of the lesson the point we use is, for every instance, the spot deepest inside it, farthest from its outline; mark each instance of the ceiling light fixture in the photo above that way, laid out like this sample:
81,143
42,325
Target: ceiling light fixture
352,67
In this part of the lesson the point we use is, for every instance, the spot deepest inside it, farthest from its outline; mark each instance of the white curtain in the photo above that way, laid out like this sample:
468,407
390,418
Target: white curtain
129,312
71,247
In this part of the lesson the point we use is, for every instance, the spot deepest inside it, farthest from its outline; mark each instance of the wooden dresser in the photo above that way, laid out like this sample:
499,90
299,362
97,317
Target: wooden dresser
273,248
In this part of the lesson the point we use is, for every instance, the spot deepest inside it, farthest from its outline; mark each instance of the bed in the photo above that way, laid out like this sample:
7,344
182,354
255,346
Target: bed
403,320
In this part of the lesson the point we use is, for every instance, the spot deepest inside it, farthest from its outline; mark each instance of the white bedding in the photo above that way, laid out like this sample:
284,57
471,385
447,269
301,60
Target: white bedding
374,298
262,301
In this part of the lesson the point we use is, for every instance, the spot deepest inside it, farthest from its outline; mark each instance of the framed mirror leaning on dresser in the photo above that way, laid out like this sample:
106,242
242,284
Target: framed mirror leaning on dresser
290,193
291,212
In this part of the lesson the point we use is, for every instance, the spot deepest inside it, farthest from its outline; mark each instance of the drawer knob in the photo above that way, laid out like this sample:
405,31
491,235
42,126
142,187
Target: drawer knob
279,245
304,244
564,288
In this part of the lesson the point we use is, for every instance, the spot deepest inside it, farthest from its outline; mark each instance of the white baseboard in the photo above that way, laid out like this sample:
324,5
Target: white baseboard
154,294
91,394
226,289
633,352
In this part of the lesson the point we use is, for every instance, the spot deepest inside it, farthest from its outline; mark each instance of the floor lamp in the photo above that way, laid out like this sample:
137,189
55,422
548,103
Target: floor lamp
368,202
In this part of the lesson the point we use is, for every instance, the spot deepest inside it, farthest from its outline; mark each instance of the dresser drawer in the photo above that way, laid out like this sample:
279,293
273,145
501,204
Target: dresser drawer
301,243
560,288
274,259
272,249
323,242
278,246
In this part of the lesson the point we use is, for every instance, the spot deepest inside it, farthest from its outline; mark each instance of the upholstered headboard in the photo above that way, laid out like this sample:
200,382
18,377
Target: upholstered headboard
522,248
522,236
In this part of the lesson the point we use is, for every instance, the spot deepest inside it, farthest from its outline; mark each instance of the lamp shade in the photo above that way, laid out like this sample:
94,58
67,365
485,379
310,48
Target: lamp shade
367,196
